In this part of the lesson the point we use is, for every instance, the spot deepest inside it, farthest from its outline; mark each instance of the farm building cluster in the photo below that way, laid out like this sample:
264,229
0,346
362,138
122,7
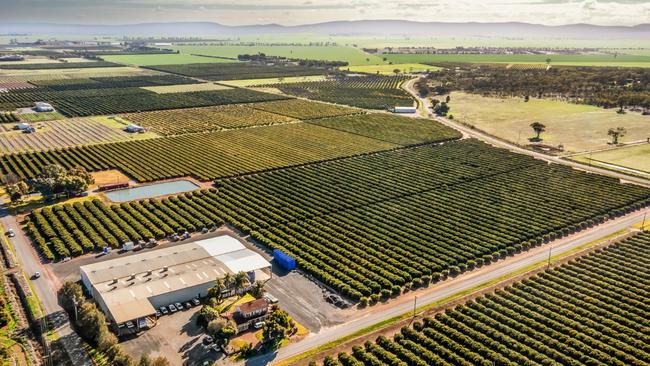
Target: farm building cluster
130,289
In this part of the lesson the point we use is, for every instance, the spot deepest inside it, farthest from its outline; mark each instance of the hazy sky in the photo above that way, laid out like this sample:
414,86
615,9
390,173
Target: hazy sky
240,12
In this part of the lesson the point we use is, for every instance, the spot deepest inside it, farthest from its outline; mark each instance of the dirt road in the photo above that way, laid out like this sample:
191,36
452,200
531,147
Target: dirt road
425,111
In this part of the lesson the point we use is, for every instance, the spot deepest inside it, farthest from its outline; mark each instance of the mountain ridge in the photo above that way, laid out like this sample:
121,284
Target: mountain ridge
379,27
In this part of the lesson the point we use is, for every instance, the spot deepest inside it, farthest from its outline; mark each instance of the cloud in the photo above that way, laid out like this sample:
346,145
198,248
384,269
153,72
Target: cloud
291,12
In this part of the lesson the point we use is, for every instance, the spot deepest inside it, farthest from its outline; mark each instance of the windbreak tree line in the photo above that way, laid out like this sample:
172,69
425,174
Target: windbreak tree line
600,86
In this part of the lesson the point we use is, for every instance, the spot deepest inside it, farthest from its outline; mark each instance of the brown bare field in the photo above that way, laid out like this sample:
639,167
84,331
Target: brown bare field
112,176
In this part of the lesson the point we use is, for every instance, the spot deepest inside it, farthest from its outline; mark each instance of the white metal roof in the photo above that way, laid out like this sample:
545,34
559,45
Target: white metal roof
243,261
220,245
124,283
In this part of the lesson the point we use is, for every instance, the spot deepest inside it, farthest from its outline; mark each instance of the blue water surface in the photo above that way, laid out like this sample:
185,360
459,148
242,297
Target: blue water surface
151,190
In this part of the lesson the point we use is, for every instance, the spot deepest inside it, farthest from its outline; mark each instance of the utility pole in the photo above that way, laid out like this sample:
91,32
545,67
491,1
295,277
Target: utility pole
549,258
415,301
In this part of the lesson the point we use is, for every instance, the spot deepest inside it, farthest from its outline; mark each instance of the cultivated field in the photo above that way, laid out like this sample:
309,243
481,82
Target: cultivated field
391,128
57,65
162,59
390,69
635,157
128,100
60,133
226,153
268,81
28,75
370,225
31,60
236,71
591,311
371,92
331,53
565,60
578,127
182,121
183,88
304,109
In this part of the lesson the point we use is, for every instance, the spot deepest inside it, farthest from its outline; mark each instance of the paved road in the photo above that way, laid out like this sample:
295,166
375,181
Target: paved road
45,287
425,110
450,287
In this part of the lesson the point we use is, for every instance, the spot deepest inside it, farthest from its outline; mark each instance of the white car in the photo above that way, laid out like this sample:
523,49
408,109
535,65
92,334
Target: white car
11,233
36,275
270,298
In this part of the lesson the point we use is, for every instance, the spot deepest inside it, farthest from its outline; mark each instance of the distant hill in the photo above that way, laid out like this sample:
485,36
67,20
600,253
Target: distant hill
353,28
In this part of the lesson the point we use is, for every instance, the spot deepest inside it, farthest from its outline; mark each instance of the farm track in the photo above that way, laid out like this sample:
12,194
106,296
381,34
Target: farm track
426,112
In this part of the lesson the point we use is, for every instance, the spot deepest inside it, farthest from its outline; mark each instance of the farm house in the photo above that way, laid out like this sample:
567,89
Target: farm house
130,289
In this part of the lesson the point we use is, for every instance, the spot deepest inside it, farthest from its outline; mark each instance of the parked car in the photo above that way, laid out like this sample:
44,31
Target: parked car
270,298
332,299
187,305
259,325
179,306
196,302
158,314
207,340
172,308
129,325
164,310
342,304
11,233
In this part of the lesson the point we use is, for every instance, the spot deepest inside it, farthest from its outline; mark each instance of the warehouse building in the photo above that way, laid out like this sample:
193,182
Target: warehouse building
130,289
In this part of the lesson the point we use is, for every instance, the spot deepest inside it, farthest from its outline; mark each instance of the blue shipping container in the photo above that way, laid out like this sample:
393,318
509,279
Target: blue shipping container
284,260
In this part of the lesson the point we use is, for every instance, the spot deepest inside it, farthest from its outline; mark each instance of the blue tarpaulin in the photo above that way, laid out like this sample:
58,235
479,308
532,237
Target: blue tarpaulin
284,260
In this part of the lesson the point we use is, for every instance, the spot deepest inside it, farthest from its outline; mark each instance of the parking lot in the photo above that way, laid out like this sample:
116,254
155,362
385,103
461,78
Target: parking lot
304,300
177,337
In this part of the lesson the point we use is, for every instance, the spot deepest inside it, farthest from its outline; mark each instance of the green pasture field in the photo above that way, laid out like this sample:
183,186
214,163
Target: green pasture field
451,42
162,59
578,127
636,157
564,60
39,117
331,53
387,69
